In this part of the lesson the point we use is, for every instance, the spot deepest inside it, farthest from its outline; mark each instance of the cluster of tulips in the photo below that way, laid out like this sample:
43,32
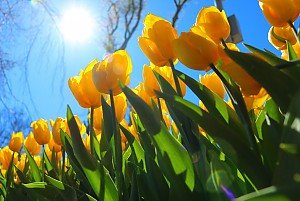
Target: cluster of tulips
170,148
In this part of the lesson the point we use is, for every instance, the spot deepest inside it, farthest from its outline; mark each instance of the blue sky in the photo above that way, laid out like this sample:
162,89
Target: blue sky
48,87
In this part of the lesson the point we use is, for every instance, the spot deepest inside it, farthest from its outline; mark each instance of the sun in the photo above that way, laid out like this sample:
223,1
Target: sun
77,25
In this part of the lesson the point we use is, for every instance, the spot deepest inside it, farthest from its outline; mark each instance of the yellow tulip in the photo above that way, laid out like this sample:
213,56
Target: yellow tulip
114,68
98,118
214,83
31,145
256,102
83,88
21,163
53,146
6,157
120,106
196,50
151,84
156,40
141,92
214,23
59,123
41,131
286,33
16,141
249,86
279,12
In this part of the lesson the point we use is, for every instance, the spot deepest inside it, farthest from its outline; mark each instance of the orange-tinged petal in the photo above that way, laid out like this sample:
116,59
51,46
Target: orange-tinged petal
151,50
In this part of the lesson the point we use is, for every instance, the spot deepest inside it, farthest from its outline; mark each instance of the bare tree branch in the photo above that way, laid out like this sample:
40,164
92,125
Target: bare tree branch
179,5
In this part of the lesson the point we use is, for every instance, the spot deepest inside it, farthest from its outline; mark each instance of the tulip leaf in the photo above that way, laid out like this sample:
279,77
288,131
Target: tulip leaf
184,125
269,57
289,156
135,146
279,85
239,105
33,167
214,104
21,176
234,147
99,180
285,193
35,185
291,52
173,159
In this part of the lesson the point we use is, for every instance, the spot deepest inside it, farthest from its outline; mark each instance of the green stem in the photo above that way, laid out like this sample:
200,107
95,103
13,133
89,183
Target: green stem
63,164
43,162
160,110
231,93
117,147
91,131
178,89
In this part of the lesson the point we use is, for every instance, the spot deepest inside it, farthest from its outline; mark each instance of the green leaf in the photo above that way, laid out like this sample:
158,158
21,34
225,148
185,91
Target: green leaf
135,146
289,158
99,180
291,52
279,85
173,159
35,185
33,167
228,139
286,193
239,105
214,104
269,57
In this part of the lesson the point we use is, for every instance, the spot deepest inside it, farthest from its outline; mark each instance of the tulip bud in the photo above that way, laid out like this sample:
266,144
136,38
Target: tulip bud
59,123
6,157
113,69
156,40
214,83
196,50
31,145
16,141
213,23
278,12
83,88
151,84
53,146
98,118
41,131
279,35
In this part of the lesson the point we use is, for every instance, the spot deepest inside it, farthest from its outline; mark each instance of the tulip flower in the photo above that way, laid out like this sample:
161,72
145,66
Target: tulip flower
213,23
83,88
59,123
280,13
214,83
53,146
196,50
141,92
16,141
156,40
31,145
98,118
249,86
6,157
151,84
279,35
114,68
41,131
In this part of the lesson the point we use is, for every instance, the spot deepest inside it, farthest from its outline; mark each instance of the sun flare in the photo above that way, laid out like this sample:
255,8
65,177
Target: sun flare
77,25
